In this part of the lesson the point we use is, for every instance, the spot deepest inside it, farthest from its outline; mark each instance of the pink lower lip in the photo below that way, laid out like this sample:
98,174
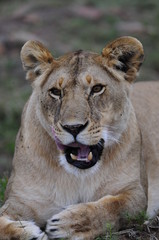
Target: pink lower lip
57,141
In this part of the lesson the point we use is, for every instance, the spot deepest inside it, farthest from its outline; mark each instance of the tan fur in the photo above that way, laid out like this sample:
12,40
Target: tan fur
44,187
88,78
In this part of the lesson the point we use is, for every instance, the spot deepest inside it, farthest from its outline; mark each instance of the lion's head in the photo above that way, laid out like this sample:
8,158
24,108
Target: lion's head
82,97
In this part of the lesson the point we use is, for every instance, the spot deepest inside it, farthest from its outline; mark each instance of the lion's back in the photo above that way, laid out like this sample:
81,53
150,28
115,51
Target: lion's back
145,99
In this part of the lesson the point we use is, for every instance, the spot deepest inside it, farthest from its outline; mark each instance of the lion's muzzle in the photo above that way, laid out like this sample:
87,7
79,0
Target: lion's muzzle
80,155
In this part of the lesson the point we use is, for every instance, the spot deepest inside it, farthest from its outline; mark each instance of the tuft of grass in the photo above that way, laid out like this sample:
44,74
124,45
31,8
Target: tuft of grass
133,224
109,234
138,219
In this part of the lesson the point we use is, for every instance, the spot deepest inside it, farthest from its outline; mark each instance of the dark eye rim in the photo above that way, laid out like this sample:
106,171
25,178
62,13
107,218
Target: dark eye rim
97,88
55,91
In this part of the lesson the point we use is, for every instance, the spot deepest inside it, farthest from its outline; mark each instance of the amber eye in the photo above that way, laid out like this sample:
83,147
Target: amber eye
97,88
55,92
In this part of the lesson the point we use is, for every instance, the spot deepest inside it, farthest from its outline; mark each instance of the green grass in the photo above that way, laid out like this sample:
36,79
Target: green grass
135,222
139,218
3,184
109,233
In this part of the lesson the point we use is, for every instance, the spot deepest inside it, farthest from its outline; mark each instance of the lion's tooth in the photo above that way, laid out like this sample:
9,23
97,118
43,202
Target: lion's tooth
90,156
74,157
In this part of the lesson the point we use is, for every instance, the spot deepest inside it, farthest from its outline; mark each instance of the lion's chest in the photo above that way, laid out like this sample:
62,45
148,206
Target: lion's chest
73,191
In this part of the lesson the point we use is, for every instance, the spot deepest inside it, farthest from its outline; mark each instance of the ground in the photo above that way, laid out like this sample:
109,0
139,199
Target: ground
65,26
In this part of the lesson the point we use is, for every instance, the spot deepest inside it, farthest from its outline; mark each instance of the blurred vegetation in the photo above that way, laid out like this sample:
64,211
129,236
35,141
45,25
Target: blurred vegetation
3,184
64,26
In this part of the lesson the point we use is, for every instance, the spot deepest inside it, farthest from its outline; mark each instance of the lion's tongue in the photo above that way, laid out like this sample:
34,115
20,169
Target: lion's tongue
83,151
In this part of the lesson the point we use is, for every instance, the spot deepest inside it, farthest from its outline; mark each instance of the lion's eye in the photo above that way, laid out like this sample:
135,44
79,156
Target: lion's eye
55,92
98,89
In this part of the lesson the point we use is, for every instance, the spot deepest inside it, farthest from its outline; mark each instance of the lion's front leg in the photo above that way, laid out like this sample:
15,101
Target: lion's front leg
86,221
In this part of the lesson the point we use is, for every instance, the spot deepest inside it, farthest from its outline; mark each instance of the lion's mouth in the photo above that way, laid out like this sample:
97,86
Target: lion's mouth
82,156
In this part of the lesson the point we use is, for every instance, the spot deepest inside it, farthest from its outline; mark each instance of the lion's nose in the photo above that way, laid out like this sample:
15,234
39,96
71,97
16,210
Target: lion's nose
75,129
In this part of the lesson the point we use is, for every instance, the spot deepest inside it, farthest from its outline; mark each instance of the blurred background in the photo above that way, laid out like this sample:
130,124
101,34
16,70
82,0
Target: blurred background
63,26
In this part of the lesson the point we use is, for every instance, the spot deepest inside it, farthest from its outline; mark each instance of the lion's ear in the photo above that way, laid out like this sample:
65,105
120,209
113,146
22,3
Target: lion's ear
35,59
125,55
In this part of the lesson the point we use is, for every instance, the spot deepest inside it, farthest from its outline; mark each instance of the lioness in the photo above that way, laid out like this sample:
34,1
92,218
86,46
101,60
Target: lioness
83,157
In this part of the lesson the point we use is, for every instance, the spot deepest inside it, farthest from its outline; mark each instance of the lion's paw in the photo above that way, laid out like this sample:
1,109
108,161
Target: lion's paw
26,230
72,223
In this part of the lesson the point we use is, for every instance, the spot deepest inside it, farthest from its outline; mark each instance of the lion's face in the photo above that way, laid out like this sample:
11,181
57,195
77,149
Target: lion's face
85,109
83,98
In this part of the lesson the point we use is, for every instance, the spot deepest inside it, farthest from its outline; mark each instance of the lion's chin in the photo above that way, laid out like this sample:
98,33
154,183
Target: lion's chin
83,156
